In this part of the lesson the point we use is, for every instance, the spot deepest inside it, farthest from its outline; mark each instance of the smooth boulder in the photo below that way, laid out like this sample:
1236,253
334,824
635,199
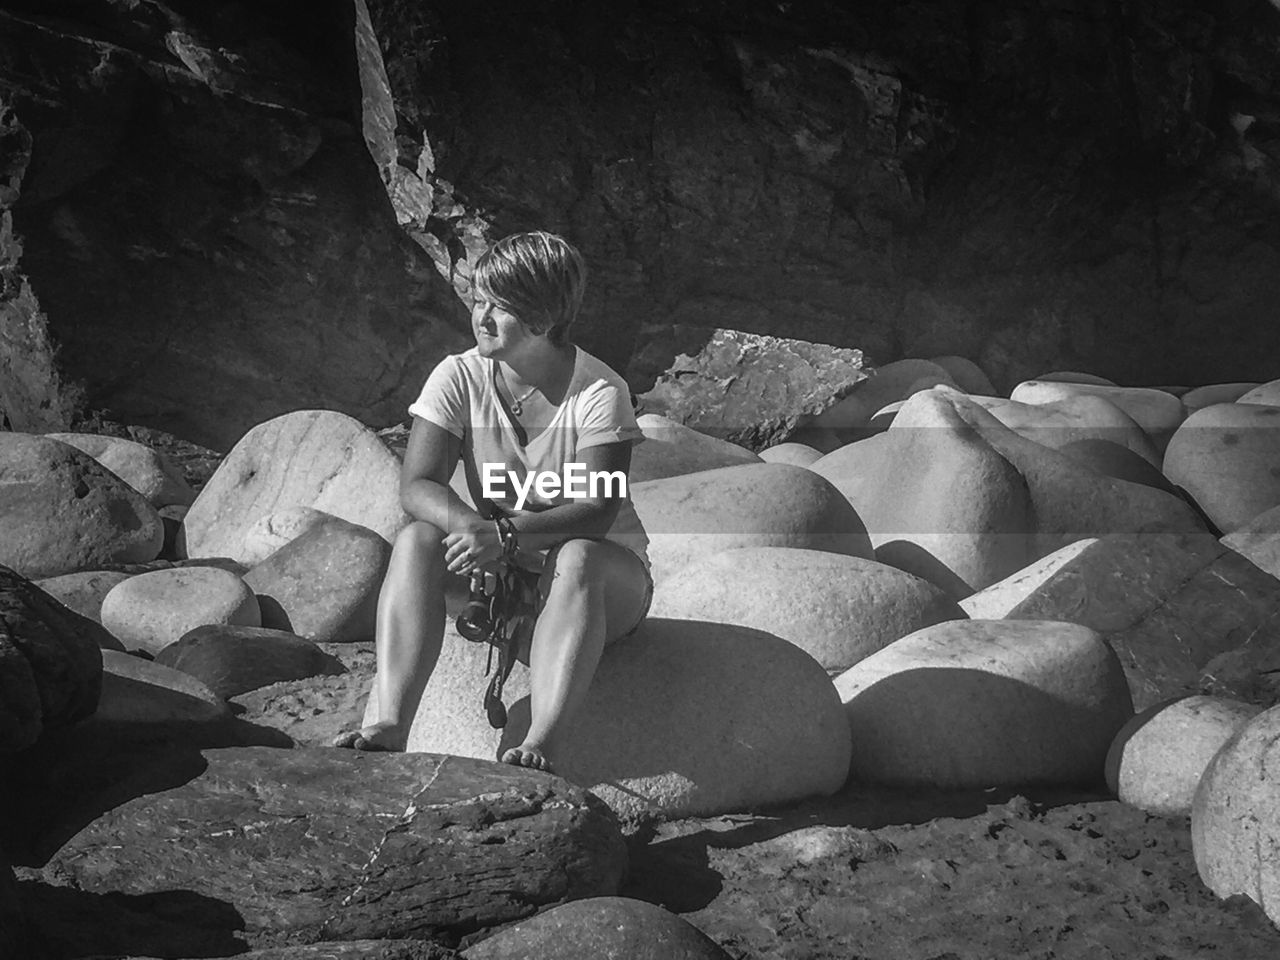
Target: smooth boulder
753,505
268,534
1072,419
1227,458
322,844
796,454
670,449
1069,501
686,718
983,703
1158,757
937,501
310,458
147,471
83,592
837,609
1266,394
966,374
1156,411
152,610
1235,817
231,660
324,584
597,929
62,511
137,691
1198,398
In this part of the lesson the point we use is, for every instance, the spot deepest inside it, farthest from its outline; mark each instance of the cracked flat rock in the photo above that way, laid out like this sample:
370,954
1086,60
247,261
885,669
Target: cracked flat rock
324,844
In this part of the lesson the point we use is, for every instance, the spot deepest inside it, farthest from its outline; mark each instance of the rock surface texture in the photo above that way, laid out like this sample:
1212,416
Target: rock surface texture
1158,757
913,181
315,844
1235,819
61,511
1001,182
200,171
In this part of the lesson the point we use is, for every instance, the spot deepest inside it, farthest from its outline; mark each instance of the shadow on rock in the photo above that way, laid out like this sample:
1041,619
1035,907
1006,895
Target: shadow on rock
176,923
54,789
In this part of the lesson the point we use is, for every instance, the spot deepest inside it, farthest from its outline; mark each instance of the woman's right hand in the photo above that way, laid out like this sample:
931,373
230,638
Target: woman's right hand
472,545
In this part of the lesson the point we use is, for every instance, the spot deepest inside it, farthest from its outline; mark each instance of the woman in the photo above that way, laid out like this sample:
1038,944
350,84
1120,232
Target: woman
523,403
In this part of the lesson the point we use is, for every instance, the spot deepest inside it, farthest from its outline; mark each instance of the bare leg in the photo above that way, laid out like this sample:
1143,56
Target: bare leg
595,591
411,611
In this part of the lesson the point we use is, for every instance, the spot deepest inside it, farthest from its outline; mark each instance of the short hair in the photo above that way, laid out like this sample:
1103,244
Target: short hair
538,277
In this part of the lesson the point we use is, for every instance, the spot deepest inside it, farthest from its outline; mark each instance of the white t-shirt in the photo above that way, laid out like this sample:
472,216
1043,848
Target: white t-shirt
460,396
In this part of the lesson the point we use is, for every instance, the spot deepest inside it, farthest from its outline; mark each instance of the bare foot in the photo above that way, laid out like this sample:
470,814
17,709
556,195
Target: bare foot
376,736
527,755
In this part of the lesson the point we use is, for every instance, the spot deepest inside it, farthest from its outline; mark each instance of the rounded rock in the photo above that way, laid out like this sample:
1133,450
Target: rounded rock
1198,398
984,703
753,505
1157,412
138,691
1265,394
231,660
62,511
966,374
671,449
312,458
152,610
685,718
796,454
937,501
147,471
599,928
1235,816
83,592
1158,757
268,534
1227,458
837,609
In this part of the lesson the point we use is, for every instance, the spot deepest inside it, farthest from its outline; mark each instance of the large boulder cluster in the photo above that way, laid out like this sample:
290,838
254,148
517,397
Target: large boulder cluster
965,591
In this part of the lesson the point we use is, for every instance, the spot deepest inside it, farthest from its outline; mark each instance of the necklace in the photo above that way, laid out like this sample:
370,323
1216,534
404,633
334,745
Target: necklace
517,403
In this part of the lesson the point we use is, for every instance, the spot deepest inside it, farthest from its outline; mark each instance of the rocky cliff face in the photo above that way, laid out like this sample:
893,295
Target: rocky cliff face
201,222
203,213
1029,183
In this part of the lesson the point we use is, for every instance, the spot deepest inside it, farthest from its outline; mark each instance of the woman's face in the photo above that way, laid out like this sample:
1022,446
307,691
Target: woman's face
496,330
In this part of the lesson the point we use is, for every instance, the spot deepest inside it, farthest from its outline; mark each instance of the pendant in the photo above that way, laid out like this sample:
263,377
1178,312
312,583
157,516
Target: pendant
517,408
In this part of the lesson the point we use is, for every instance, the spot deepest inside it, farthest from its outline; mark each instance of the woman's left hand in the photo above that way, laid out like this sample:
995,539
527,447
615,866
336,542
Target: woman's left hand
475,544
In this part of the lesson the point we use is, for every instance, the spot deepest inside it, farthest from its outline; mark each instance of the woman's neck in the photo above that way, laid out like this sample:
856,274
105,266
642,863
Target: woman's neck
544,366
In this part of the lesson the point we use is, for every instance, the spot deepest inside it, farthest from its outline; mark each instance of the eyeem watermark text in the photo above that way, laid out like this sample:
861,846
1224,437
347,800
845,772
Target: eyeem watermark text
575,482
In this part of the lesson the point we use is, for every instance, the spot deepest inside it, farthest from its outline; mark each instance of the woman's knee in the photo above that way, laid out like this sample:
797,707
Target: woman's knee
575,563
417,543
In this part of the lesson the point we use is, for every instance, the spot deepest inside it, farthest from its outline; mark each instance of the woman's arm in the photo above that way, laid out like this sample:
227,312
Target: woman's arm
429,461
589,516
